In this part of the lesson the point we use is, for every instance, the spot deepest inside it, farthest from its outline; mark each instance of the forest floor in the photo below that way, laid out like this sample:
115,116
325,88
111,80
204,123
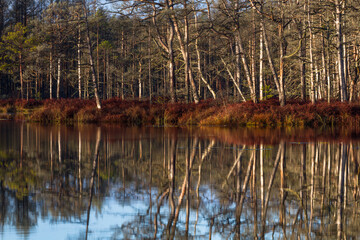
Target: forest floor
267,113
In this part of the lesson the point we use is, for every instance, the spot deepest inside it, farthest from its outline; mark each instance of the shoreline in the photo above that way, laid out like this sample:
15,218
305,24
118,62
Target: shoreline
265,114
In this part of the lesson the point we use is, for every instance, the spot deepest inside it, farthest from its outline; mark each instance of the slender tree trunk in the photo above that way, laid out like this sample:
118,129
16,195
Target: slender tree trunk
302,56
271,64
328,64
340,51
184,48
104,86
234,80
356,73
237,79
122,65
353,79
97,98
109,92
58,78
149,66
171,61
253,62
282,96
312,84
21,76
261,64
246,67
323,62
50,73
198,55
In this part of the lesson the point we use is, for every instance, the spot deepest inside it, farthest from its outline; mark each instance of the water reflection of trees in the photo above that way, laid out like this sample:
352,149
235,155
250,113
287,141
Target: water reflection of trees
193,183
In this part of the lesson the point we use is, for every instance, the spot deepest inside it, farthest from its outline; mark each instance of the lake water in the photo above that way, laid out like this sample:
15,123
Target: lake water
110,182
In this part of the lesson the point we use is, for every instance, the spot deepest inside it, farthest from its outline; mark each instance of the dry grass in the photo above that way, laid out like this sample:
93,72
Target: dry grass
265,114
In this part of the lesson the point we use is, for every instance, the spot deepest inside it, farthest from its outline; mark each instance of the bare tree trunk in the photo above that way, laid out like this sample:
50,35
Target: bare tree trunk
58,79
261,63
340,50
149,65
328,64
271,64
199,60
312,84
109,91
184,48
234,80
21,77
323,62
246,67
282,97
356,73
237,79
302,56
171,61
253,62
353,79
94,80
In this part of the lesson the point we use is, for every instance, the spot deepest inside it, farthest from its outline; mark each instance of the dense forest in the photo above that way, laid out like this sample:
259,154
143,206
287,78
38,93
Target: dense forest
181,50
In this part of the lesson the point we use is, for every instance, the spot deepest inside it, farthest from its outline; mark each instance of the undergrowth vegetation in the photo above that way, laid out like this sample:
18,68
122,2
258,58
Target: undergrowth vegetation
264,114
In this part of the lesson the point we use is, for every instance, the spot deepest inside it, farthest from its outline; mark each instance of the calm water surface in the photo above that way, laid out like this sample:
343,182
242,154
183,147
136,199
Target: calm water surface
108,182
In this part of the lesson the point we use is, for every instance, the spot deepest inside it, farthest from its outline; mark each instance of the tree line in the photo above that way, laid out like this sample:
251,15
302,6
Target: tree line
182,50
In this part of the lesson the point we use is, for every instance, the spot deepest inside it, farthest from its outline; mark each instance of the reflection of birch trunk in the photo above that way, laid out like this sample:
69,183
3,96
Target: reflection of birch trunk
262,178
150,180
238,179
254,196
328,172
282,187
183,188
187,186
244,188
341,184
271,181
303,177
59,145
323,189
80,180
96,154
312,189
203,156
234,165
51,158
21,142
172,173
158,211
303,192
